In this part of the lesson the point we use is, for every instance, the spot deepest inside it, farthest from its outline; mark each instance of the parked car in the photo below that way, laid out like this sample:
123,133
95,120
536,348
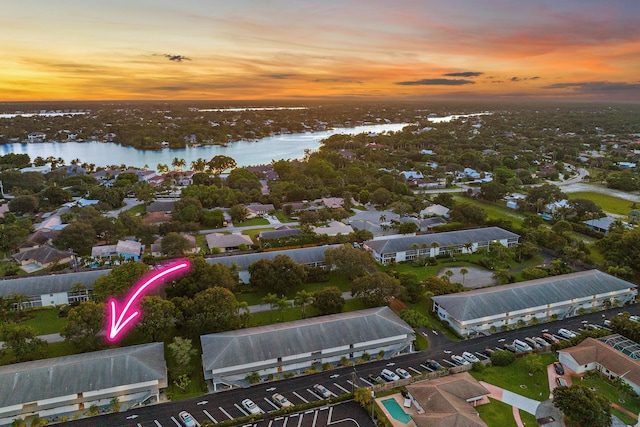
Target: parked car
322,391
459,360
432,364
521,345
488,351
251,407
561,382
559,368
187,419
470,357
389,375
565,333
532,343
550,338
541,342
402,373
280,400
375,380
512,348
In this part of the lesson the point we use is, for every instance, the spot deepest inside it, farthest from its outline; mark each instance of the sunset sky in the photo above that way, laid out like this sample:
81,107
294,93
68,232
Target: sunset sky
295,49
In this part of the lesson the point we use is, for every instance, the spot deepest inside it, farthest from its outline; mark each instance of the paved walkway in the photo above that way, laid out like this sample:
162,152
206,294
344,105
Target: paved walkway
511,398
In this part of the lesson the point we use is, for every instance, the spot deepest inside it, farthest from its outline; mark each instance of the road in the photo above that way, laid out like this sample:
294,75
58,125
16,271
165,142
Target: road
226,405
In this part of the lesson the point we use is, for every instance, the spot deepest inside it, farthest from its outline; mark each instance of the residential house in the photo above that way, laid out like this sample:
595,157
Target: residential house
435,210
282,231
36,137
259,209
227,242
129,249
165,206
41,257
448,401
41,169
601,224
479,310
156,247
333,229
613,356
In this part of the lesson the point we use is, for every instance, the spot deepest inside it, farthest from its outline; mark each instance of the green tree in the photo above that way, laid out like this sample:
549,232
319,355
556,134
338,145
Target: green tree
22,205
220,163
54,196
238,213
18,422
118,281
349,261
534,363
21,342
174,244
376,289
277,275
582,407
468,213
282,304
187,209
328,301
362,395
202,275
159,316
502,358
303,299
84,327
463,272
78,236
214,310
182,351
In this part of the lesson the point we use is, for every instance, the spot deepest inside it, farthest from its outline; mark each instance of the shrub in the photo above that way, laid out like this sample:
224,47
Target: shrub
502,358
478,366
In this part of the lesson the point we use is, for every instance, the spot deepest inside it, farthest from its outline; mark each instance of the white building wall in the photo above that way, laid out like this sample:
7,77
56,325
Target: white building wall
58,298
122,389
59,410
55,400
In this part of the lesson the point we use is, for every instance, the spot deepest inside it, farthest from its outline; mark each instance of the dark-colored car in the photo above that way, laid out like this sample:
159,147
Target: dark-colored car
512,348
488,351
432,364
559,368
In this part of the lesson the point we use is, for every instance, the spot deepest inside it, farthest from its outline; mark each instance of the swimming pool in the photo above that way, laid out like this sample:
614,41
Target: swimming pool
396,410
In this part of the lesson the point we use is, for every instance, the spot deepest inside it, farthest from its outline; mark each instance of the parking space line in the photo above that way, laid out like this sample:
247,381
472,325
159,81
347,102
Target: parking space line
315,417
245,413
301,398
271,403
209,415
157,423
341,388
284,424
176,421
225,412
414,370
300,420
428,370
365,381
314,395
139,425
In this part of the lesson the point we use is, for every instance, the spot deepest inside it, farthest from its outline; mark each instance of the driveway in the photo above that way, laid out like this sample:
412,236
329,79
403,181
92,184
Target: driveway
475,278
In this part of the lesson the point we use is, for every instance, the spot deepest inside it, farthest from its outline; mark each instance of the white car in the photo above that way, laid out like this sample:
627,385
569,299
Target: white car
251,407
281,401
469,357
565,333
459,360
402,373
187,419
322,391
389,375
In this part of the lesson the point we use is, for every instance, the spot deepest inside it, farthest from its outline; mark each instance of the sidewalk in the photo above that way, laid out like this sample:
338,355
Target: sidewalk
515,400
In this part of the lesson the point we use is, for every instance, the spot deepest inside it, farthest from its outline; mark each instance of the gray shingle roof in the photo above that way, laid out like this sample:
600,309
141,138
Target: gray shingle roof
61,376
519,296
301,256
258,344
51,283
42,254
393,245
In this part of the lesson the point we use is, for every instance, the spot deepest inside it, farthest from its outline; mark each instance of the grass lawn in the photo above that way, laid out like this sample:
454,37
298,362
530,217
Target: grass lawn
201,242
46,321
253,233
424,308
282,217
527,418
251,222
497,413
514,376
139,209
494,211
604,388
611,204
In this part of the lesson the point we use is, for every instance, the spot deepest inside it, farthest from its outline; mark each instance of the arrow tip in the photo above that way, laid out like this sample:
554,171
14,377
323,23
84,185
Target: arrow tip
117,321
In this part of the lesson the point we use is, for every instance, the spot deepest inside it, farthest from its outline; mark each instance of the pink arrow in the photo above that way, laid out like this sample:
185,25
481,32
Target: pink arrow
116,323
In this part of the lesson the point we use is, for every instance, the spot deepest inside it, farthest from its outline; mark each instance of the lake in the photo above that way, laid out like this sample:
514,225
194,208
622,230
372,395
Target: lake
245,153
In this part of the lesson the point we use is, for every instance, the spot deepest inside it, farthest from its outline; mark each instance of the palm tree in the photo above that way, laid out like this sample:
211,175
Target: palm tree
178,164
270,299
435,245
282,304
302,299
468,246
244,312
464,272
199,165
501,275
162,168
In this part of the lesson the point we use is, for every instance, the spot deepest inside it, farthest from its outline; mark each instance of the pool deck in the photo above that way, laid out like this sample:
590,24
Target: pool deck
398,398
